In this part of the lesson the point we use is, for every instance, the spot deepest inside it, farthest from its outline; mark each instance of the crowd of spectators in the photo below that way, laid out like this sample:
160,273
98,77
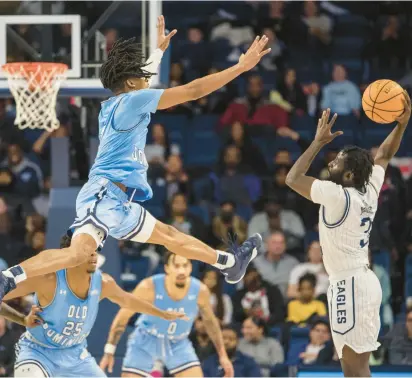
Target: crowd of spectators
245,192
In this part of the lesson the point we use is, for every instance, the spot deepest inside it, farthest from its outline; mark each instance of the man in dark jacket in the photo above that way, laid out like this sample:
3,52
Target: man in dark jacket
258,298
243,365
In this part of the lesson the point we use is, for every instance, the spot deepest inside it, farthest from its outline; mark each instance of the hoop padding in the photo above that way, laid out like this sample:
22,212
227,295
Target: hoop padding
34,87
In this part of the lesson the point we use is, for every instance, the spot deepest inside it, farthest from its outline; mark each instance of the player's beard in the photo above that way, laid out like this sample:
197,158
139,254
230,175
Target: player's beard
336,177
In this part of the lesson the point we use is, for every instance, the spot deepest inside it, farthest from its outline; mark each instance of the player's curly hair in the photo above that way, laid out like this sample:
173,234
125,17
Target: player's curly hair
360,162
125,60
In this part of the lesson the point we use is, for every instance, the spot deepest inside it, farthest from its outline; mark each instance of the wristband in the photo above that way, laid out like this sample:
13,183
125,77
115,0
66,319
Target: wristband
109,349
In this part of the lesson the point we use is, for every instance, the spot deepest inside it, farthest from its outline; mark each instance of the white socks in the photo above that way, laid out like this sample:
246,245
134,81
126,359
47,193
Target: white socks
224,260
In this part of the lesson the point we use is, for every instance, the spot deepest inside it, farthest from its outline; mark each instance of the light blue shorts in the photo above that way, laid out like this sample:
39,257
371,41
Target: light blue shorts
144,349
70,362
103,209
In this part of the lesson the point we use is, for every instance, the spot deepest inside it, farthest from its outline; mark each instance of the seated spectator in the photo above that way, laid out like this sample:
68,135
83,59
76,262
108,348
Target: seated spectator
313,265
399,342
218,101
255,108
391,48
244,366
251,157
20,174
221,302
201,341
276,218
274,61
384,279
36,245
306,307
34,223
41,203
176,75
289,93
111,35
160,149
319,336
275,265
181,219
277,188
341,95
234,182
8,340
282,157
9,245
195,53
259,299
226,225
272,15
328,355
177,180
266,351
319,24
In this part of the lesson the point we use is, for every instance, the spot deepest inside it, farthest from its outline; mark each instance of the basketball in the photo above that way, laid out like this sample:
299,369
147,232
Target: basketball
382,101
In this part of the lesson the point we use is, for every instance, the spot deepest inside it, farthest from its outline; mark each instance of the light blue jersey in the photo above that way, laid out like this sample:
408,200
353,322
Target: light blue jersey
123,122
159,339
58,348
68,319
178,328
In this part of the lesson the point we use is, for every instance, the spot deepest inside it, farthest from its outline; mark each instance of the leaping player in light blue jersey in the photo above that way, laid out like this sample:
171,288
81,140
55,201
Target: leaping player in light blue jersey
69,300
118,177
158,339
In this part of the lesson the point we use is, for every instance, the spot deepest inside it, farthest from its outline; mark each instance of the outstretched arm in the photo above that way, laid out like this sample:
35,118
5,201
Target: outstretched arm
390,145
213,330
163,42
296,178
208,84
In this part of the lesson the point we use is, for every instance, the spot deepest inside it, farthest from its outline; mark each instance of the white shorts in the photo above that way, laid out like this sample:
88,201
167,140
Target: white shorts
354,306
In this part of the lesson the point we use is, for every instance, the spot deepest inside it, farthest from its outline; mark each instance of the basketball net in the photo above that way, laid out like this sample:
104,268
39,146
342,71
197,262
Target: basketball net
34,87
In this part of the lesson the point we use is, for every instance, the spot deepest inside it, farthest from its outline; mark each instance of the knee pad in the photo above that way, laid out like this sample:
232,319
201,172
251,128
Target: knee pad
90,229
30,369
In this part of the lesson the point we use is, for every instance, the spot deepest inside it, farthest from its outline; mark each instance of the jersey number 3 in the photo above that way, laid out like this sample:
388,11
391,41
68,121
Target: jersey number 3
366,222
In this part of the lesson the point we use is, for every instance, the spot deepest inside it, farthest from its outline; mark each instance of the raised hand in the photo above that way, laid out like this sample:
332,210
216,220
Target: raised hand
323,132
254,54
403,119
163,40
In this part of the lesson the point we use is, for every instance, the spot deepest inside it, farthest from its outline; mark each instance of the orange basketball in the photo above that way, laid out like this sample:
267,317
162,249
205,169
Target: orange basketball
382,101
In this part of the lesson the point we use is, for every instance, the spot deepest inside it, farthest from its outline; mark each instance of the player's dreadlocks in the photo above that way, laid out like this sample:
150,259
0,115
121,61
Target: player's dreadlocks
360,163
125,60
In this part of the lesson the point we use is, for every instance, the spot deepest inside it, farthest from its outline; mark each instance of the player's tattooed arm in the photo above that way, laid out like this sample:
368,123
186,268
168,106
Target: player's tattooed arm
390,145
213,330
296,178
31,320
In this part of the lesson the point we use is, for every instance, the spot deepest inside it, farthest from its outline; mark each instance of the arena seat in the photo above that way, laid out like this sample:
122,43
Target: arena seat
348,48
202,148
382,258
408,266
201,213
299,338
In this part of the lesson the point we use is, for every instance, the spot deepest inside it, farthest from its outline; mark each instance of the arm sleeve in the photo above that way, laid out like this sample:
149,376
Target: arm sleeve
253,369
328,194
153,62
377,178
321,309
228,313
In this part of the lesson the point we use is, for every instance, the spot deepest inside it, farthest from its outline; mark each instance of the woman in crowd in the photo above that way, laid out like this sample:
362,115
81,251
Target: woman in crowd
221,303
266,351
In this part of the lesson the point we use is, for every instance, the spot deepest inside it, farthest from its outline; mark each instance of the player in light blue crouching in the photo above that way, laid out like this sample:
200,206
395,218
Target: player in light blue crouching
109,203
69,300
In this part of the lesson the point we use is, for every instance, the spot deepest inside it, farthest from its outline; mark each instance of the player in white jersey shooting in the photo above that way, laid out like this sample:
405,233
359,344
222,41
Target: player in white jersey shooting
349,200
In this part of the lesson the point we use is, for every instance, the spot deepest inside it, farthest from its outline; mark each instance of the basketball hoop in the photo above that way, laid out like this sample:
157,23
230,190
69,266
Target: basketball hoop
34,87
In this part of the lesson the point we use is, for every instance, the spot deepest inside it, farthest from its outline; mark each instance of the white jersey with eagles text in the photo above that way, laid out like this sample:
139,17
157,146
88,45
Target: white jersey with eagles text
345,221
